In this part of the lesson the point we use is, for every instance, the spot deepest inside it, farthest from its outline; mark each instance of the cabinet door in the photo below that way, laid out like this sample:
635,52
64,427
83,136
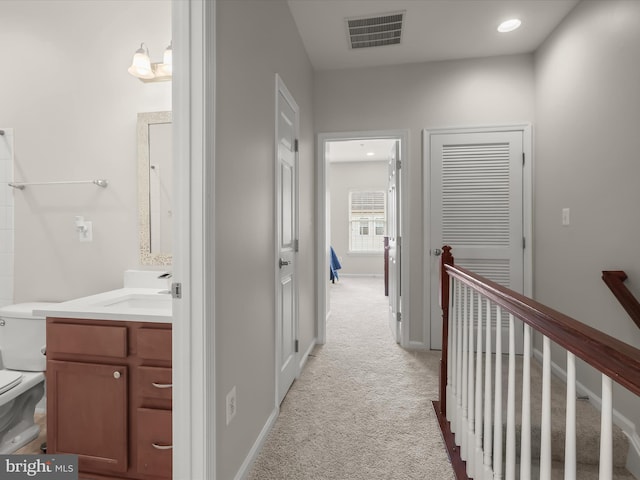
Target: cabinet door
87,414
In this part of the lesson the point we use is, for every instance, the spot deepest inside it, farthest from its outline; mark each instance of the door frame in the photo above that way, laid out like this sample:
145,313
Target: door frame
322,242
527,214
281,89
193,333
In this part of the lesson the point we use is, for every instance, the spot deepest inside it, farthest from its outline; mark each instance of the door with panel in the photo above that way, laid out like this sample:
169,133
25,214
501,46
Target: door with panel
476,207
287,115
394,248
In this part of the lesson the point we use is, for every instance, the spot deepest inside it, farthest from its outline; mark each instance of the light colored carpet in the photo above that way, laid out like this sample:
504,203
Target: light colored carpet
361,410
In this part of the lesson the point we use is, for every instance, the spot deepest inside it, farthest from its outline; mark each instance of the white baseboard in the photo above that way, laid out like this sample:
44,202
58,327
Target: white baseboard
305,355
245,468
377,275
257,445
413,345
627,426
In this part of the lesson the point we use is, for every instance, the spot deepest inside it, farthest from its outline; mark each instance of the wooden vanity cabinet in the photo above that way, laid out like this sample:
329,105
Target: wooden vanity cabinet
109,397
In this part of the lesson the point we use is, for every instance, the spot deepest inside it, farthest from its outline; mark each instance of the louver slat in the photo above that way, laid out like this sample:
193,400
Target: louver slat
475,195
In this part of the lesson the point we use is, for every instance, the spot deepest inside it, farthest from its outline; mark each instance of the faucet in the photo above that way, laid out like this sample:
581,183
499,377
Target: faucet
165,276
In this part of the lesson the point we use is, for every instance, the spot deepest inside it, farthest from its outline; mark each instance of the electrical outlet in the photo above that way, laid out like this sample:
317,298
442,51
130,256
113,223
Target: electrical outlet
232,405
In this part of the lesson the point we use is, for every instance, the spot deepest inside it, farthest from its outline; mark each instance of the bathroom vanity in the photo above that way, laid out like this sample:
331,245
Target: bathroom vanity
109,384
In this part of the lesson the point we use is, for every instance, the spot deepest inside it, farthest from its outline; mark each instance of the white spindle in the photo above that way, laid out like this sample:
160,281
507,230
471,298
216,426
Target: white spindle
471,439
545,427
465,373
606,430
497,413
459,335
478,426
525,433
570,425
510,469
488,432
451,353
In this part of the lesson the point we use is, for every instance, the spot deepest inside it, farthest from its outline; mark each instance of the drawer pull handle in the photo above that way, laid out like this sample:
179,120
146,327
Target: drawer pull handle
161,447
161,385
116,374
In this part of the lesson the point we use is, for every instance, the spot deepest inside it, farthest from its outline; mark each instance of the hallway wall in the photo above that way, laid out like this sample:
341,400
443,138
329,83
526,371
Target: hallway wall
487,91
587,122
255,40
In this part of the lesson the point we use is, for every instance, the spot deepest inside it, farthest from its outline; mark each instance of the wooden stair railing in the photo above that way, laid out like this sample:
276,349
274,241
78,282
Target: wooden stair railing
461,290
615,281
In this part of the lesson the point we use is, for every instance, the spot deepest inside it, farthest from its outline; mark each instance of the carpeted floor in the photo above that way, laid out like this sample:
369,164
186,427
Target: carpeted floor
361,409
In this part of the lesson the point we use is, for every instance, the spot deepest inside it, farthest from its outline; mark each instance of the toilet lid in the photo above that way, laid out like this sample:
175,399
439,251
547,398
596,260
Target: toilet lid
9,379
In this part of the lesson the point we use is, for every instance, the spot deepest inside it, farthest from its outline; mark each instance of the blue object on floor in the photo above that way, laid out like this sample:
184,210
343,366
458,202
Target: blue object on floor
334,265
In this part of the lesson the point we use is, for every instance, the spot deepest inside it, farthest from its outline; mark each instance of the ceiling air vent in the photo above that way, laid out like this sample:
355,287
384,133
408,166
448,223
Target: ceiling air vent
375,31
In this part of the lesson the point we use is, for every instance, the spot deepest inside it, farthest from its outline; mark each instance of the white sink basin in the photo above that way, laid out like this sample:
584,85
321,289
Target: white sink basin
152,300
127,304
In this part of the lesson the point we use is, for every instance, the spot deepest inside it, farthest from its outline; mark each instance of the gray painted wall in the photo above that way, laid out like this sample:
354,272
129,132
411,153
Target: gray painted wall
487,91
256,40
344,178
66,91
587,78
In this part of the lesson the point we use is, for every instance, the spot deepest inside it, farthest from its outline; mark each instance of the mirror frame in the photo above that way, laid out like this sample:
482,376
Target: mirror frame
144,208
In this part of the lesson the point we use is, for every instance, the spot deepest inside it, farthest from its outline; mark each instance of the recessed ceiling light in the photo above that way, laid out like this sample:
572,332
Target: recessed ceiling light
370,154
509,25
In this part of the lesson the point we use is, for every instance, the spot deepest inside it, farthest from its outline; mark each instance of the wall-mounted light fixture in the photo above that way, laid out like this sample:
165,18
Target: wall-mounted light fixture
146,71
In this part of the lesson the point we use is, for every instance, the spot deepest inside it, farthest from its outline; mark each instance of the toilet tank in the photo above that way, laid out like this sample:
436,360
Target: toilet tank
23,337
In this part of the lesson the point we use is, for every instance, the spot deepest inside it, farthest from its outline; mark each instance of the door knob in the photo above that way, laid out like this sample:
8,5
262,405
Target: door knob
116,374
282,262
437,252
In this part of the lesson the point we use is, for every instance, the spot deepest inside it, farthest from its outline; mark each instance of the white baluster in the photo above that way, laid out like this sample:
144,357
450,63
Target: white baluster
488,432
606,430
451,355
510,470
459,365
545,427
471,439
525,434
478,426
465,373
570,425
497,403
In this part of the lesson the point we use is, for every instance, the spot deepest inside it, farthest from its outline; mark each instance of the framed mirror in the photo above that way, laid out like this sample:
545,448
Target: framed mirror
155,180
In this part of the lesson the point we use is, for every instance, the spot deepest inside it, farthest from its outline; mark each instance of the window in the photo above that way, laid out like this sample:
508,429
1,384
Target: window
368,220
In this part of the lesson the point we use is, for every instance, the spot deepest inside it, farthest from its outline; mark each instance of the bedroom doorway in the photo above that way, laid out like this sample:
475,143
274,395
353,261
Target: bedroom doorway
360,219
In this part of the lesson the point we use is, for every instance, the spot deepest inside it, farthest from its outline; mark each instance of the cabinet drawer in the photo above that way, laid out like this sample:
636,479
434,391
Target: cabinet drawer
154,344
155,450
95,340
154,382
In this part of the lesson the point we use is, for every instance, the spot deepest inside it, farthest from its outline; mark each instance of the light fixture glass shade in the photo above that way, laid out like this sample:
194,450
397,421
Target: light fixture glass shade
141,64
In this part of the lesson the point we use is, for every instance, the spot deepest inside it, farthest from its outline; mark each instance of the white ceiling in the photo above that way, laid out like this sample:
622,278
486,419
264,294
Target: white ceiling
356,150
433,29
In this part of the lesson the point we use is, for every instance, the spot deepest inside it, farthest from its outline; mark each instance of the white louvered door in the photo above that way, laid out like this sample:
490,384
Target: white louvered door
476,207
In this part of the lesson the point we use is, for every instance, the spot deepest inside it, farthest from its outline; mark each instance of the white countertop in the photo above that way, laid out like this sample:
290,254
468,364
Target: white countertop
124,304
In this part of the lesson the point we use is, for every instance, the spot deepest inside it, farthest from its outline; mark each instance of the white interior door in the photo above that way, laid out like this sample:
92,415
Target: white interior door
476,207
393,232
286,220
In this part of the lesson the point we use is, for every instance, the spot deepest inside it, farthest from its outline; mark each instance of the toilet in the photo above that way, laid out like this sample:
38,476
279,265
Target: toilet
22,350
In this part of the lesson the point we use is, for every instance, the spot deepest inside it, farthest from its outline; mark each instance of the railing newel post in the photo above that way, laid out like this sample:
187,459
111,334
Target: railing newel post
446,259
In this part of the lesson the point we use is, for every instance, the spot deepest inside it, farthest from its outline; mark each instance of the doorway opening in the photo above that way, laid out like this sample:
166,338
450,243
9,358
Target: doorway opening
360,220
